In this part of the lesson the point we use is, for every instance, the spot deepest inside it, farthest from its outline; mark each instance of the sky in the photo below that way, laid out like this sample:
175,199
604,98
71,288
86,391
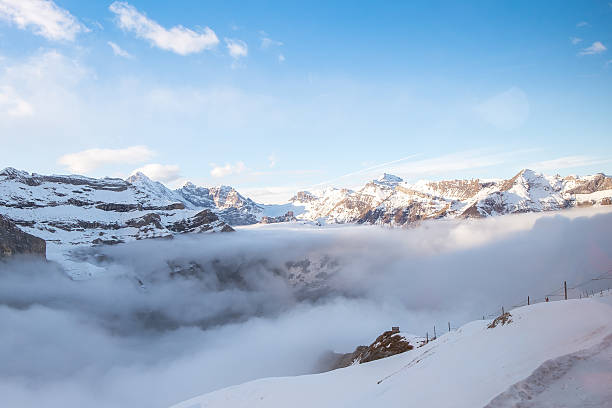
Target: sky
273,97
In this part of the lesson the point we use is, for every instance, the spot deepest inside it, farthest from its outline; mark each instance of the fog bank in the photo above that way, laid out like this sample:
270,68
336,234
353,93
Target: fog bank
170,319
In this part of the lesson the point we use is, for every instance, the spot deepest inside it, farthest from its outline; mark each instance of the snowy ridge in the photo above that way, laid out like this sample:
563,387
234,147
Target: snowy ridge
391,201
474,365
78,210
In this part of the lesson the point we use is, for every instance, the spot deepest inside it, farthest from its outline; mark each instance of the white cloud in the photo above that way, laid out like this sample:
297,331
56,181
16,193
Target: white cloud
575,40
568,162
43,17
178,39
582,24
267,42
227,170
12,104
91,159
281,58
118,51
507,110
596,48
236,48
160,172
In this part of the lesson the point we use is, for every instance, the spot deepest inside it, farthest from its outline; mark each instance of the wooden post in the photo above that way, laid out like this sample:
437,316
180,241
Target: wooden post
435,337
427,336
565,287
503,311
449,326
528,300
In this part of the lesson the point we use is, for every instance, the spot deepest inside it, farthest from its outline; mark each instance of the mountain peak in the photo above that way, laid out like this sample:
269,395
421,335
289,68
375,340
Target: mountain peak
388,180
138,177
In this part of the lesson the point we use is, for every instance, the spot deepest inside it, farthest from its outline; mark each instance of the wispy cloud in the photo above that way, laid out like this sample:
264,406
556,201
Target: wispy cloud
267,42
236,48
595,48
568,162
92,159
575,40
582,24
160,172
178,39
118,51
227,170
43,17
281,58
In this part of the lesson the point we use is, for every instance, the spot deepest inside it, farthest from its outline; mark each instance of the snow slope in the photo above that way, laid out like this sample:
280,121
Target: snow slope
470,367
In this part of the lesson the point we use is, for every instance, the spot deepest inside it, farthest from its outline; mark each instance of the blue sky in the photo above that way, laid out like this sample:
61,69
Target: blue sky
273,97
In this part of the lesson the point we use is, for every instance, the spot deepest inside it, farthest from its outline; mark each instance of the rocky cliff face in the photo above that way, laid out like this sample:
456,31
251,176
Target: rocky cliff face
388,344
13,241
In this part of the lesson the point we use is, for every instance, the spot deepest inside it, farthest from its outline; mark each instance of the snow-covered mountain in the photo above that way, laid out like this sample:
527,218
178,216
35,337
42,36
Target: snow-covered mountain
77,210
556,354
391,201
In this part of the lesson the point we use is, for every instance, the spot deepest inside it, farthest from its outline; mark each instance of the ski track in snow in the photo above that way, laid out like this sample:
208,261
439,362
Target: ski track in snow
581,379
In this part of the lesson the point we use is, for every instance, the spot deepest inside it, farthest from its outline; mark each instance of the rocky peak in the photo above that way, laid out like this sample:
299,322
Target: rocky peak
138,177
388,180
303,197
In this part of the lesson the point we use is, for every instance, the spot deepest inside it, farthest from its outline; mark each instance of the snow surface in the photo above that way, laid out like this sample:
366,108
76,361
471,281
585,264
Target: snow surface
547,347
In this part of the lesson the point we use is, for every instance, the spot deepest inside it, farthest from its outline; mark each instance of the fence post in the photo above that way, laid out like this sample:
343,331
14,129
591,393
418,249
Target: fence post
565,287
449,326
435,337
528,300
503,311
427,337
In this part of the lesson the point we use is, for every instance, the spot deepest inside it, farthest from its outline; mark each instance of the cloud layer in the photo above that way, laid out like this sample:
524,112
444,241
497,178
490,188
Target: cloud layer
170,319
92,159
178,39
160,172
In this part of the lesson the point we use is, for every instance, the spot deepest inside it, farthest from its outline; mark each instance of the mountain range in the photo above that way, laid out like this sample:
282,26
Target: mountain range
77,210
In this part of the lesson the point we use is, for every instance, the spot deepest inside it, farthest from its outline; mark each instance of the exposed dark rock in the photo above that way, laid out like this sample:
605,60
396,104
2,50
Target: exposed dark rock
118,207
146,220
599,183
387,344
14,241
201,222
502,320
472,212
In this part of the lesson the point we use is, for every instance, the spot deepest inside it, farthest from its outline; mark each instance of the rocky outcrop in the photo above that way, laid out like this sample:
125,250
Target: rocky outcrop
288,217
14,241
387,344
203,221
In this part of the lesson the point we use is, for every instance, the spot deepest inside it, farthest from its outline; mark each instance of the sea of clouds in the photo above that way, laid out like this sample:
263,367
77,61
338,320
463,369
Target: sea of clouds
170,319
